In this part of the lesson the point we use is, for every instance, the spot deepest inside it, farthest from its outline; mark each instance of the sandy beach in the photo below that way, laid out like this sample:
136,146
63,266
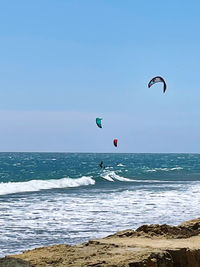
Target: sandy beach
149,245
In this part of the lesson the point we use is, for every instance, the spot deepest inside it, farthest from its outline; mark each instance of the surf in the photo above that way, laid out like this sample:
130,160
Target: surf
112,176
37,185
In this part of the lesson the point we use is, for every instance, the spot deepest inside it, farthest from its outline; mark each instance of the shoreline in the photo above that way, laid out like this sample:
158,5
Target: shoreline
149,245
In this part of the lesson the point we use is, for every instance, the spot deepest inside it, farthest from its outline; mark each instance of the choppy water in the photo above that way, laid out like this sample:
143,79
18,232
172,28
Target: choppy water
52,198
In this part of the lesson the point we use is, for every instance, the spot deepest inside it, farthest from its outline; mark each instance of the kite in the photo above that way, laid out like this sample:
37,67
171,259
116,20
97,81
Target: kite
115,142
98,122
158,79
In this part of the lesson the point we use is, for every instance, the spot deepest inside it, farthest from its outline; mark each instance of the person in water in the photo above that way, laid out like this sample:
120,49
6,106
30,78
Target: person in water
101,164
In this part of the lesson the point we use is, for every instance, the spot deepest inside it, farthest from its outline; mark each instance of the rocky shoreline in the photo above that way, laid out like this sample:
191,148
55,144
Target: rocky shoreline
150,246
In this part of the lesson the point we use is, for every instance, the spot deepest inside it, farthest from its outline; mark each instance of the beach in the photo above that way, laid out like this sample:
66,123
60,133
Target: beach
148,246
48,199
99,116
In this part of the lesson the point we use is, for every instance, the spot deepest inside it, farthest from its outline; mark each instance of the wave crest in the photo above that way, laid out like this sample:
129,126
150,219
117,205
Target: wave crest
37,185
111,176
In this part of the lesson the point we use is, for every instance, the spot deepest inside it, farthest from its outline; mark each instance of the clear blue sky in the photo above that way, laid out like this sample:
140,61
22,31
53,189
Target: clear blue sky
64,63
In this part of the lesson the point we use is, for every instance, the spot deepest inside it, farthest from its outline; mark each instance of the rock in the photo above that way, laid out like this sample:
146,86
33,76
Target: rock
13,262
149,246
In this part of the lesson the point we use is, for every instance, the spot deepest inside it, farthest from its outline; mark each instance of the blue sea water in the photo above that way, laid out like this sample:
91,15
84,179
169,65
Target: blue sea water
53,198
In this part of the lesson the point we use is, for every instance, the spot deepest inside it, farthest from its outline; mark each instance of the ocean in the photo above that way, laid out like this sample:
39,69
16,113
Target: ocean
66,198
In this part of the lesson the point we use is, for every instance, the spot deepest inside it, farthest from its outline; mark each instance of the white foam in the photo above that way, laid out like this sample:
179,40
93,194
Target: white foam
111,176
72,218
107,177
158,181
152,170
37,185
176,168
164,169
120,165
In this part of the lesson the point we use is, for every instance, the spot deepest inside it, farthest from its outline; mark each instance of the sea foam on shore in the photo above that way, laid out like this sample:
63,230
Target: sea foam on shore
148,246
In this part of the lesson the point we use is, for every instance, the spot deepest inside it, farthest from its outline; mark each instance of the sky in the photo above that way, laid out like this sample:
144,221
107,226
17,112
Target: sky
63,63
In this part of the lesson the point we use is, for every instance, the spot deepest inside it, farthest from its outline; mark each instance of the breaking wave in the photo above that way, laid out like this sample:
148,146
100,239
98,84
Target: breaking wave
37,185
112,176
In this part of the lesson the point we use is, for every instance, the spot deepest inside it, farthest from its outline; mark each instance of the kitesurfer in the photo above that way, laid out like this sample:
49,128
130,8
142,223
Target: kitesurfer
101,164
